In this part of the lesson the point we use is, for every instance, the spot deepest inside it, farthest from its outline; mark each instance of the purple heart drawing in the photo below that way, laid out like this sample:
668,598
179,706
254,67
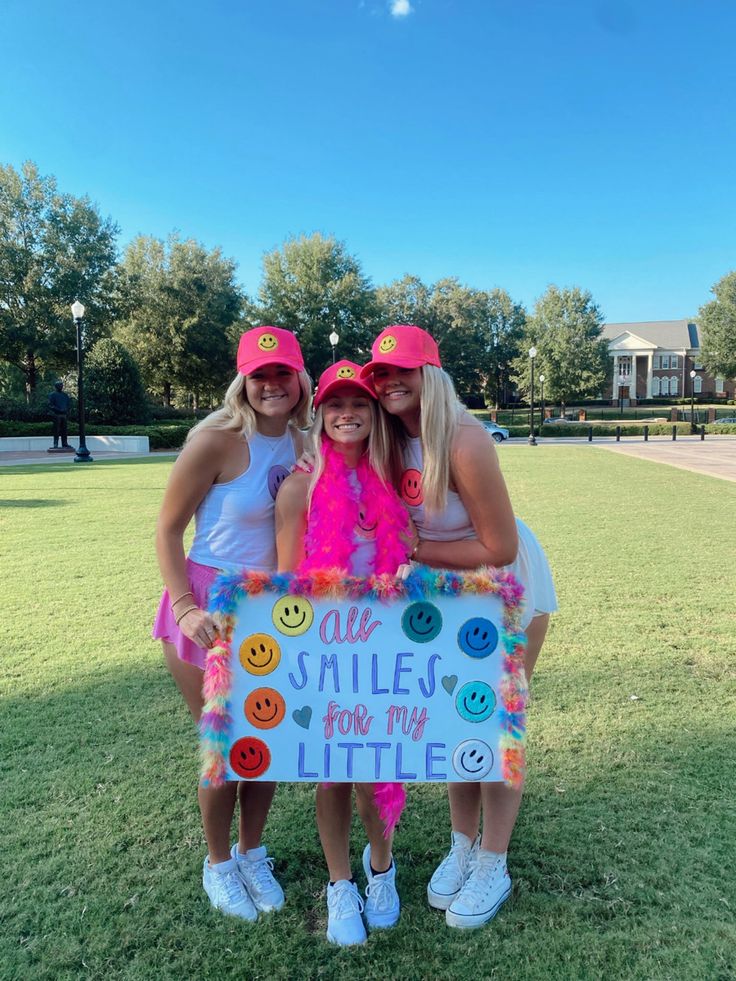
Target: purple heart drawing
303,716
448,683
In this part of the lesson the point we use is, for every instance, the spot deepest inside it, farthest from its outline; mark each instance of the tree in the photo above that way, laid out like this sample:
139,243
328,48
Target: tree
54,249
181,307
566,330
718,323
114,392
477,332
311,285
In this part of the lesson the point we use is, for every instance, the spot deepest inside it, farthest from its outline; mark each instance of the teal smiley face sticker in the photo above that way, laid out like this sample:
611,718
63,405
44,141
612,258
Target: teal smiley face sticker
475,701
477,637
421,622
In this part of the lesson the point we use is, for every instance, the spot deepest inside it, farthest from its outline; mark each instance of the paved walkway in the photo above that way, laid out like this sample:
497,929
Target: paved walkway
715,455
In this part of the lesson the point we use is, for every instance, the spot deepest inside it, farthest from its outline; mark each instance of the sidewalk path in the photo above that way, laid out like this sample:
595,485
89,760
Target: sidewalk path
23,458
715,455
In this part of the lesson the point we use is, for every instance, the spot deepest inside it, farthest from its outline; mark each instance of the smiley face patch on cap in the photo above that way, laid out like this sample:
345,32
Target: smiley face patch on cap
267,343
387,344
345,372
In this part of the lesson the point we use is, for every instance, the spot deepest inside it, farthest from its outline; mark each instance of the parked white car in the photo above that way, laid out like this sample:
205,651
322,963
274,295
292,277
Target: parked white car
497,432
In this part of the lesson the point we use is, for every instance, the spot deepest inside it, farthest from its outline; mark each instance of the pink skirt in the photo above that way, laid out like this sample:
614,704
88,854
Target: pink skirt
201,578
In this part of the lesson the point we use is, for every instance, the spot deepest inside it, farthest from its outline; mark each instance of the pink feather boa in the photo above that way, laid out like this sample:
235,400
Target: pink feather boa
336,507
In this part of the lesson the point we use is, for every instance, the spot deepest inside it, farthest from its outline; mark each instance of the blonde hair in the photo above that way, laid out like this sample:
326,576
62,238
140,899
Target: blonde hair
379,446
440,411
238,416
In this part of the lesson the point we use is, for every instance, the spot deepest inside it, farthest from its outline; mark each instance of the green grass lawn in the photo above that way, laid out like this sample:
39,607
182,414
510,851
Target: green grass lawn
623,856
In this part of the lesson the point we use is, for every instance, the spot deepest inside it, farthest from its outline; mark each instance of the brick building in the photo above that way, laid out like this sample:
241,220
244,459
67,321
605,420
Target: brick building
654,360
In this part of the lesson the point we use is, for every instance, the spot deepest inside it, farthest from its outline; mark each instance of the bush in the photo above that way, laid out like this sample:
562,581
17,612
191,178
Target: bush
114,390
161,437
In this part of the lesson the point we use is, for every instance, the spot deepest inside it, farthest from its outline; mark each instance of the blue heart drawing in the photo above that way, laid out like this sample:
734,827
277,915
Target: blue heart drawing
448,683
303,716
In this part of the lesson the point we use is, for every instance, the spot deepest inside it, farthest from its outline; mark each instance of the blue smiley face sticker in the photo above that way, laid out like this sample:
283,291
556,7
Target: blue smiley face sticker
475,701
472,759
477,637
421,622
276,476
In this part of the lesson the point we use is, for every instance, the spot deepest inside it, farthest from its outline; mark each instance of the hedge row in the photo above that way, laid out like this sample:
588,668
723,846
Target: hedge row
165,436
580,430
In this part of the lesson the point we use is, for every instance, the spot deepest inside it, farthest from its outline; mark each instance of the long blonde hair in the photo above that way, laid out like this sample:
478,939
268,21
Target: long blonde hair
238,416
440,411
379,446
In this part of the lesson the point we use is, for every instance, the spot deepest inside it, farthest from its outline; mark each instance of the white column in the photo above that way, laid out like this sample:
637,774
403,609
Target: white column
614,392
650,359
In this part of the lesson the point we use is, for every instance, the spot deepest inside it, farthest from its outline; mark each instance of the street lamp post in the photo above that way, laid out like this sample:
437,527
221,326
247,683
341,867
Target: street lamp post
532,439
334,338
621,383
541,403
82,455
692,401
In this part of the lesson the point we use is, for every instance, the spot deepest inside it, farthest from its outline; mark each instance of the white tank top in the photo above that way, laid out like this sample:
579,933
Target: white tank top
452,524
234,524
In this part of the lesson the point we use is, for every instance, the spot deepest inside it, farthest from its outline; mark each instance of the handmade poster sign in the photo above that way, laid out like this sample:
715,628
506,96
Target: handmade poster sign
327,678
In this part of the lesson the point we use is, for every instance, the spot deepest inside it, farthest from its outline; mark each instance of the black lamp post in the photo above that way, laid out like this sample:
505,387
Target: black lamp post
541,404
532,439
334,338
692,401
621,383
82,455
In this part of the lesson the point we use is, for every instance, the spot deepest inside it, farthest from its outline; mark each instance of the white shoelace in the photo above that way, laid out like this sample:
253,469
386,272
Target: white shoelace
458,856
476,887
233,886
347,902
260,872
382,894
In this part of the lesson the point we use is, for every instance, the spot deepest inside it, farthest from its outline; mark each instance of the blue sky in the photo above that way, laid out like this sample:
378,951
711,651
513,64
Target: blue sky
513,144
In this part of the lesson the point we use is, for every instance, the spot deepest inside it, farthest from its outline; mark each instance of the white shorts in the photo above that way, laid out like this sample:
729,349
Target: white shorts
532,570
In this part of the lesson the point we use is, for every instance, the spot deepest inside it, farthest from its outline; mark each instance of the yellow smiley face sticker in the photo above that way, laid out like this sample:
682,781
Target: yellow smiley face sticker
267,343
292,615
388,343
260,654
345,372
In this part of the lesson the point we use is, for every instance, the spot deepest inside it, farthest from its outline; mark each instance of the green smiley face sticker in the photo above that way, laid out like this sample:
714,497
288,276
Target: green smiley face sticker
421,622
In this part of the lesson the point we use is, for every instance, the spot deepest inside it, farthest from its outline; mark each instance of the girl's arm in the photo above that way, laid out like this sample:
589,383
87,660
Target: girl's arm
291,521
198,467
482,489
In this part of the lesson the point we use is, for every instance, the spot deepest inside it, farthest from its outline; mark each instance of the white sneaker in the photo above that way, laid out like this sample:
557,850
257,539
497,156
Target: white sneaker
344,922
227,891
481,897
255,869
453,871
382,904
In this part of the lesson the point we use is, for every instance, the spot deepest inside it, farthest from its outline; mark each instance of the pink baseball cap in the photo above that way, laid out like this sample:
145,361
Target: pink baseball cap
337,376
268,345
404,345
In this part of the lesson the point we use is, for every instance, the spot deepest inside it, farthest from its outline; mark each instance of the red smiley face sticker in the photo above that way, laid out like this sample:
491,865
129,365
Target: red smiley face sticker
364,528
411,488
249,757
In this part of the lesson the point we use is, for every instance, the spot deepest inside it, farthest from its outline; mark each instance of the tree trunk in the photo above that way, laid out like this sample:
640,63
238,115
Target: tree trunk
167,393
31,375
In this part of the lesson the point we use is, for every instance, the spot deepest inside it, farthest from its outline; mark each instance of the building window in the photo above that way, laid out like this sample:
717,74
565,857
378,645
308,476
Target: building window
655,386
673,385
673,361
697,385
720,388
697,365
655,362
624,365
664,386
665,361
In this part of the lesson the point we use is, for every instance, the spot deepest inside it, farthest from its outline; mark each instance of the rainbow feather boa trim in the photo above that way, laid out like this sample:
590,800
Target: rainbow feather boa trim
228,590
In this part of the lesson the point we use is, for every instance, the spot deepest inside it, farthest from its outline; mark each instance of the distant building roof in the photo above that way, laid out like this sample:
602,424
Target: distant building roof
667,334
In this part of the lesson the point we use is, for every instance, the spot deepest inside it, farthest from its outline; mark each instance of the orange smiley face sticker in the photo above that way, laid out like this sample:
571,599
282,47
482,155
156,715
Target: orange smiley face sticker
260,654
411,488
249,757
267,343
265,708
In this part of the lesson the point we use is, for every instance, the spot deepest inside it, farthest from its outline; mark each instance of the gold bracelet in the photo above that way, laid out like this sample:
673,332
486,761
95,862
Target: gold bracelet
182,615
414,552
178,598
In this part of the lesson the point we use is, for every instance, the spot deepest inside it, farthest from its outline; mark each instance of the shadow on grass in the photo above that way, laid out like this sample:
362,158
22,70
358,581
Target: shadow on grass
99,810
30,503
